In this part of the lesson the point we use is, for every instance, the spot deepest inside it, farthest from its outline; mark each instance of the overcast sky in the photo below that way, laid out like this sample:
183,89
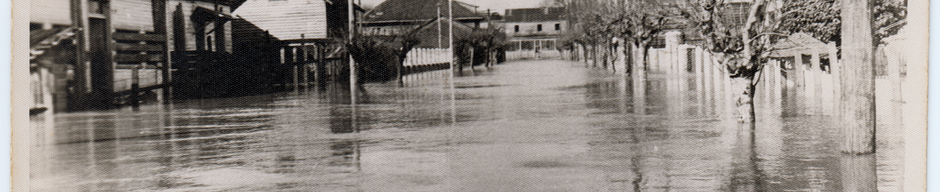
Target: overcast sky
495,5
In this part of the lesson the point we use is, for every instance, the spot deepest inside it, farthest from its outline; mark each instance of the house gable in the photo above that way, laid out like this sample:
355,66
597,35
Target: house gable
417,10
287,19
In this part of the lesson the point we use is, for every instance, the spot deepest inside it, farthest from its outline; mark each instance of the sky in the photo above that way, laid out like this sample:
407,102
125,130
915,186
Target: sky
494,5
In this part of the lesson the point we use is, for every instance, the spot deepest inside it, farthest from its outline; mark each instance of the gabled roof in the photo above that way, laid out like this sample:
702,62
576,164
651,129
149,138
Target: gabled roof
416,10
428,32
535,14
287,20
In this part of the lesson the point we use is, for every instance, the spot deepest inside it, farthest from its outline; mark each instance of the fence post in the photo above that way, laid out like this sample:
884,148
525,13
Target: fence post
817,79
835,68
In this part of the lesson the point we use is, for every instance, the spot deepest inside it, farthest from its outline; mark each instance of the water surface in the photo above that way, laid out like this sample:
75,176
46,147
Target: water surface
521,126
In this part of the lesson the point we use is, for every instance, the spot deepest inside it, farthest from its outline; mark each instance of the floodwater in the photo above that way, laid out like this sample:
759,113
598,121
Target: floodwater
539,125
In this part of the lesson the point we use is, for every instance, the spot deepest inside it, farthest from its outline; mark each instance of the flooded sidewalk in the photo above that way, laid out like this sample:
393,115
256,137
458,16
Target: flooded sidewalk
536,125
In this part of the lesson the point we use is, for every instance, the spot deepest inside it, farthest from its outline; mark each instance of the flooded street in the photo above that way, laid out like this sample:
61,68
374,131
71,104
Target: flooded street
538,125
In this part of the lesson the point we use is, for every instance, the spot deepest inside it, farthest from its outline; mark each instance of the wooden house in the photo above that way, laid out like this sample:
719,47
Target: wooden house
395,17
103,52
289,19
291,38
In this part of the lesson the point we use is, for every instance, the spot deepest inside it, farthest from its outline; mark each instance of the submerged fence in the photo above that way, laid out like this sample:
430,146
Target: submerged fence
425,59
426,56
811,69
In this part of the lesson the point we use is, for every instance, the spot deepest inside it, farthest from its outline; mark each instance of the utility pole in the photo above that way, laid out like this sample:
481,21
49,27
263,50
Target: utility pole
439,25
858,85
450,39
352,63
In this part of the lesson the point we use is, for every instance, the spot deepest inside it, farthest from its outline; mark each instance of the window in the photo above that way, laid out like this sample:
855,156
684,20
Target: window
539,27
557,26
517,28
96,7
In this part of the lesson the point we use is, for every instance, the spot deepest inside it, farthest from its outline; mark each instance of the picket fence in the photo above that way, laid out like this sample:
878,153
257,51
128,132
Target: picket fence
426,56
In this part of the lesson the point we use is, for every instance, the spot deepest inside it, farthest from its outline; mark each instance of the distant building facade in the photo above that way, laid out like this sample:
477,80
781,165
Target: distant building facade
533,32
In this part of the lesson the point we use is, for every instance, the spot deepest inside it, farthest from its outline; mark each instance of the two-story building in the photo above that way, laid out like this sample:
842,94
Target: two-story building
533,32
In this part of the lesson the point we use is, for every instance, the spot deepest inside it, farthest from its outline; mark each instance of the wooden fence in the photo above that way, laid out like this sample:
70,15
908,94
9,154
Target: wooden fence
426,59
811,70
426,56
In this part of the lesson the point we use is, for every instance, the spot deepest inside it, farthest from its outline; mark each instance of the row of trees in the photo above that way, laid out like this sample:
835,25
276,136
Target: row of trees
380,58
741,51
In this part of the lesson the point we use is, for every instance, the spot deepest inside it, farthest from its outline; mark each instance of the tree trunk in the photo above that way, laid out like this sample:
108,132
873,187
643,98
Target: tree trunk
858,85
743,90
605,56
594,55
471,58
644,56
627,57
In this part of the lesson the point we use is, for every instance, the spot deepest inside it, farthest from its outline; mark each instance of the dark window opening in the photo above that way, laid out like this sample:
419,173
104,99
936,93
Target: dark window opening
824,65
539,27
557,27
517,28
807,61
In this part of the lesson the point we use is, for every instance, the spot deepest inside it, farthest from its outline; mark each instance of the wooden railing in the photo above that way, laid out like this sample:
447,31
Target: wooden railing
137,48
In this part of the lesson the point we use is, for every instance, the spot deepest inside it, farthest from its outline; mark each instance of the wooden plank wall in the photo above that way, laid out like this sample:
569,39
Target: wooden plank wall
132,15
287,19
188,7
49,11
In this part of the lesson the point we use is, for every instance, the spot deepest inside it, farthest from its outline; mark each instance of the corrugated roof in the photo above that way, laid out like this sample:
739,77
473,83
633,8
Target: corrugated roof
415,10
535,14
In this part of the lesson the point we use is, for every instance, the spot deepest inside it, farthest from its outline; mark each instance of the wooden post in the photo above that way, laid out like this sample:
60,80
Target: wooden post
179,47
320,67
110,64
858,107
306,69
159,27
135,86
296,76
471,57
82,65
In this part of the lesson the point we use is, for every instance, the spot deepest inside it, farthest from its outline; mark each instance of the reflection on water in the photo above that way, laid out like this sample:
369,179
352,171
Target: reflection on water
529,126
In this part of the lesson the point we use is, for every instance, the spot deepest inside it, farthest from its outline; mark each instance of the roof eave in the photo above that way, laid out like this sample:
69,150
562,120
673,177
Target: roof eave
417,20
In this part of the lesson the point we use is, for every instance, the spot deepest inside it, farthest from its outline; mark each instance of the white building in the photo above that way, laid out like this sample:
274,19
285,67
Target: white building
533,32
